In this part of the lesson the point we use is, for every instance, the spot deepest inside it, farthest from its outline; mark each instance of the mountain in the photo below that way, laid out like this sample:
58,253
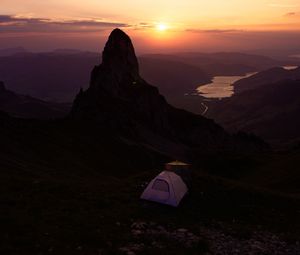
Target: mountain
65,71
178,75
69,52
221,63
269,110
287,54
119,98
12,51
269,76
52,76
29,107
173,78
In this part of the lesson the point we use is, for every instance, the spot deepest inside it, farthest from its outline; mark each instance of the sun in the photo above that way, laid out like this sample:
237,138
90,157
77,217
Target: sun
161,27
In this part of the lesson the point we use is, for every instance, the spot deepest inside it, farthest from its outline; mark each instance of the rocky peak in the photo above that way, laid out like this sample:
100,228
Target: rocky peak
119,65
119,53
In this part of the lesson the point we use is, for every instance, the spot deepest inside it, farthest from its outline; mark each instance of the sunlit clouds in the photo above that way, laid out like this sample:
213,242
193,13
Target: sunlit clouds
44,25
155,24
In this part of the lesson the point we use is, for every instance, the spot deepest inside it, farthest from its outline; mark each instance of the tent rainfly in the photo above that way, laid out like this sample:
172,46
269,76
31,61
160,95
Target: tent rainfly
182,169
166,188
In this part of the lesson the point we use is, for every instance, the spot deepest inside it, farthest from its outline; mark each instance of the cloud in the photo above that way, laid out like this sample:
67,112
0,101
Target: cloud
292,14
278,5
19,24
143,26
213,31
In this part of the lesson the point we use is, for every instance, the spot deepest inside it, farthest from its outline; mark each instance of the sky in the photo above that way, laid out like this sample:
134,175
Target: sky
154,25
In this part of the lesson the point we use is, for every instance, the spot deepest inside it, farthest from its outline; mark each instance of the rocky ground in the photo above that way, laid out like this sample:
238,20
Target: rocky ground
215,239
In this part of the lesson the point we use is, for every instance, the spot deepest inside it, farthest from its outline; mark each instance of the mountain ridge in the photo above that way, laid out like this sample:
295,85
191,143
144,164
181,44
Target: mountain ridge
24,106
267,109
119,98
273,75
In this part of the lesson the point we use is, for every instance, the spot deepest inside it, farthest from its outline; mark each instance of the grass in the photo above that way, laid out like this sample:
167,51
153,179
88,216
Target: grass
61,214
63,192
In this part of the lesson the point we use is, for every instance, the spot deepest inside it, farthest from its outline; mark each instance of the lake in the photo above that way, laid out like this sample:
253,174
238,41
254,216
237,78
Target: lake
221,86
290,67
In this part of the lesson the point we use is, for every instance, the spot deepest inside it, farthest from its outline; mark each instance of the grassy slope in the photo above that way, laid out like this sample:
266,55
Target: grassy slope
63,211
64,189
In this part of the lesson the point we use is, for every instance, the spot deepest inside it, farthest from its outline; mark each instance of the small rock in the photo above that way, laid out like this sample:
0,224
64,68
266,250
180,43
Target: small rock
136,232
182,230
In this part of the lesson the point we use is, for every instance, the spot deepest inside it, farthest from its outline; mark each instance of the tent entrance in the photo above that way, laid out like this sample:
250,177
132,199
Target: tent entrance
161,185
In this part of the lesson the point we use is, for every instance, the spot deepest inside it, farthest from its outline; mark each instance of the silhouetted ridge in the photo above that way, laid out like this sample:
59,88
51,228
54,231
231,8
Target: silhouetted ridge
28,107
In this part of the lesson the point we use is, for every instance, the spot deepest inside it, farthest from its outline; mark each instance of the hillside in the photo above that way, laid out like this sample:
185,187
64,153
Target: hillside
48,76
68,188
269,76
28,107
268,109
173,78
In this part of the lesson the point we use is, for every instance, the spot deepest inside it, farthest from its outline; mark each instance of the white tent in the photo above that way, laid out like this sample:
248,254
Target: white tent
166,188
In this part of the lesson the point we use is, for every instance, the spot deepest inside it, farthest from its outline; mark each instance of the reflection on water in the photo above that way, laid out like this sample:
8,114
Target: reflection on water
220,87
290,67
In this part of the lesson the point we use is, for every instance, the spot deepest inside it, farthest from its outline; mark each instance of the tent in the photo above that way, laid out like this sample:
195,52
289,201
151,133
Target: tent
166,188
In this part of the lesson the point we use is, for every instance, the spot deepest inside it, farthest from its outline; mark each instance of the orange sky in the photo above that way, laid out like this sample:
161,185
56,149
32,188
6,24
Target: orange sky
155,24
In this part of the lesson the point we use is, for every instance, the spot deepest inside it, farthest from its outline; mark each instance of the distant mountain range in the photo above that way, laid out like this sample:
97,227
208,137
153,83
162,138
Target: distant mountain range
268,76
59,75
174,78
289,53
28,107
48,76
65,71
12,51
221,63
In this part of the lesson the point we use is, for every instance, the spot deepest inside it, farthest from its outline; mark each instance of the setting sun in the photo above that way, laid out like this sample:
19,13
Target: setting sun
161,27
